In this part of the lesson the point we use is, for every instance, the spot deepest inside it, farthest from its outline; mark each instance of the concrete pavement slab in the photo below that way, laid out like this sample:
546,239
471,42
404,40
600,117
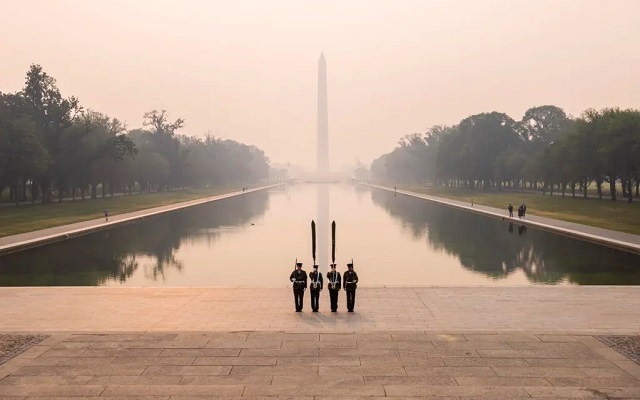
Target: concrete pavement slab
384,376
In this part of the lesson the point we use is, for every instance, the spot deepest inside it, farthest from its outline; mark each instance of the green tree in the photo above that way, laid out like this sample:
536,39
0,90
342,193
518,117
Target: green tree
545,124
53,115
22,156
619,147
166,143
484,137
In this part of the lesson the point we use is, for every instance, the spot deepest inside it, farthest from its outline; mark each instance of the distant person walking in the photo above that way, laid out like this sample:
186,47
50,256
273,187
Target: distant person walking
510,208
524,210
520,211
106,215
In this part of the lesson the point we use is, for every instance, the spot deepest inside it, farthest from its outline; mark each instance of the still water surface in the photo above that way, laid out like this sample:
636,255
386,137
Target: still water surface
254,241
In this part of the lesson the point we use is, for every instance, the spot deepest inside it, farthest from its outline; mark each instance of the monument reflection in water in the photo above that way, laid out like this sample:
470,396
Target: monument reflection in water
324,232
254,241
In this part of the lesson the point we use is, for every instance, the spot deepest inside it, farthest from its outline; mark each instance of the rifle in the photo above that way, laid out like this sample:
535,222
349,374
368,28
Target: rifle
333,254
333,242
294,268
313,241
316,281
350,282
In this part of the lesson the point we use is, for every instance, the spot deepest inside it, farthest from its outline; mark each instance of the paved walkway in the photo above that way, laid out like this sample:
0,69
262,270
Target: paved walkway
30,239
279,365
626,241
539,309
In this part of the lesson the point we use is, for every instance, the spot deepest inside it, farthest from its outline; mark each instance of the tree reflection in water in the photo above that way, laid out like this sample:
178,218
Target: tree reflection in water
491,247
116,254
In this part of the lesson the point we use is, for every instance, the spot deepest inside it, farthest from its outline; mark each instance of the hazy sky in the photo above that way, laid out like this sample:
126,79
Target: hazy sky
247,69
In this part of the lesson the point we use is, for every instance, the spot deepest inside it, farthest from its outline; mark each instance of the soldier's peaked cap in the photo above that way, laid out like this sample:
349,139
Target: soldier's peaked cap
350,265
298,264
333,265
315,266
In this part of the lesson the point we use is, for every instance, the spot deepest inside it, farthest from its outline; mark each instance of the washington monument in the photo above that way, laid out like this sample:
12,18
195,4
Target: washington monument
323,120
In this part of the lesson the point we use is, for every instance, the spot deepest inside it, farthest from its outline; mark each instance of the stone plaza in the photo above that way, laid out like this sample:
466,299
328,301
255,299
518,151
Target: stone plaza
445,343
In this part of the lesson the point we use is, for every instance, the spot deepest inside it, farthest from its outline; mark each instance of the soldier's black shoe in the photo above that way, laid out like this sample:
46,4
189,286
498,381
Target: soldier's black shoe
333,311
350,310
315,310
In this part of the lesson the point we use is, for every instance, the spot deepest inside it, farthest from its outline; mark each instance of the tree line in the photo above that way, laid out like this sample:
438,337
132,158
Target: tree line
51,147
547,150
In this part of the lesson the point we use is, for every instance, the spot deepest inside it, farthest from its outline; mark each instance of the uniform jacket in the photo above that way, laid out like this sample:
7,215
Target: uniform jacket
350,281
338,279
312,277
299,278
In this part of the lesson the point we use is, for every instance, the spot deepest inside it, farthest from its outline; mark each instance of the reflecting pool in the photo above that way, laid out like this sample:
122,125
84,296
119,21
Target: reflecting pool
254,240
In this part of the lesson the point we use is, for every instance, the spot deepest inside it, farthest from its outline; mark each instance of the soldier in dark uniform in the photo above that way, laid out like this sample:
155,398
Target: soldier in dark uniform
334,281
299,279
316,286
350,284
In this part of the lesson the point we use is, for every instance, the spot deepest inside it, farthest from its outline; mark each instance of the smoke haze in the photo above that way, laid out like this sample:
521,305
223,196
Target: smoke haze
248,69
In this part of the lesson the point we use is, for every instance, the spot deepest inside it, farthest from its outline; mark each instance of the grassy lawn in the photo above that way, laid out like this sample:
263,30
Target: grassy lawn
619,216
27,218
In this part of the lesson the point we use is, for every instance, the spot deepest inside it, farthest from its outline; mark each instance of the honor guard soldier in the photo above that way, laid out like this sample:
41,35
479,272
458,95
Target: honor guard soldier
299,279
350,285
334,281
316,286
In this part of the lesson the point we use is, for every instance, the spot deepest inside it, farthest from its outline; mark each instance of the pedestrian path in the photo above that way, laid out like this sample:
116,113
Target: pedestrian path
22,241
621,240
